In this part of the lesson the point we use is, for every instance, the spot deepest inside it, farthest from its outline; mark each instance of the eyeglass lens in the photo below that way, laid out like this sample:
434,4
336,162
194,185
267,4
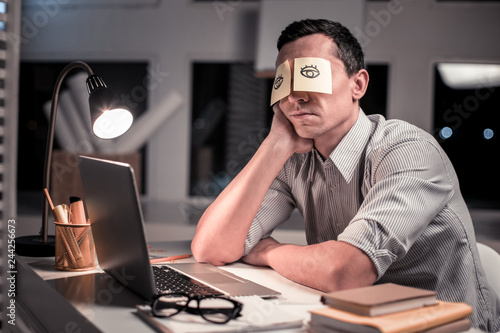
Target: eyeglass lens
216,310
169,305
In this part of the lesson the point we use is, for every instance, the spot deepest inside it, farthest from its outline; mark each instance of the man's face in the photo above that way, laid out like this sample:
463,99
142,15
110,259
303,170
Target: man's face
319,115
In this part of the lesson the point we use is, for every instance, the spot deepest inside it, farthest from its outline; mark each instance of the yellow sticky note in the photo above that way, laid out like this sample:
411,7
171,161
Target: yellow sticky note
282,82
312,74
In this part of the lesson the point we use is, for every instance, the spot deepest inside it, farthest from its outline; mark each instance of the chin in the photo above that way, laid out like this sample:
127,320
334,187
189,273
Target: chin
309,130
305,133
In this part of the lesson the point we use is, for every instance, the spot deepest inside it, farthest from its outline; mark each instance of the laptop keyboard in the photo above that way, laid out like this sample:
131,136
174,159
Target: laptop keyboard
169,280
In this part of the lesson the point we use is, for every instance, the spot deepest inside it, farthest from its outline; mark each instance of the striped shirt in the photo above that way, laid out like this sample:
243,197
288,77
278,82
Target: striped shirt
390,190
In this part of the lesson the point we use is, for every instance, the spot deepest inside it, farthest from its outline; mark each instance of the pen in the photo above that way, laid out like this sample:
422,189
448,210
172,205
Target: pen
47,195
60,212
157,260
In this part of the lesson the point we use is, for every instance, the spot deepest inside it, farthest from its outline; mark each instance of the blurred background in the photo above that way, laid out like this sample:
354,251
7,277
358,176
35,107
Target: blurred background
198,74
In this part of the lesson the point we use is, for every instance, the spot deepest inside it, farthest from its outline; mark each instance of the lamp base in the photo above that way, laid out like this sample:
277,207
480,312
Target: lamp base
34,246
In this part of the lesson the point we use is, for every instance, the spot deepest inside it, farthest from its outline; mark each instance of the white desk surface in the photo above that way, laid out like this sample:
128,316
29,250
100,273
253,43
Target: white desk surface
50,310
79,301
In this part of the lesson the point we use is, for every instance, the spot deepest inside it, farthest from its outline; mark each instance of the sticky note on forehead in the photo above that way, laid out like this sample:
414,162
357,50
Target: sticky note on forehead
312,74
282,82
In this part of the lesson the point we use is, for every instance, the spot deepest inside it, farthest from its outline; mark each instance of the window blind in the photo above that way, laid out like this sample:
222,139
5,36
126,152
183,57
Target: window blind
10,22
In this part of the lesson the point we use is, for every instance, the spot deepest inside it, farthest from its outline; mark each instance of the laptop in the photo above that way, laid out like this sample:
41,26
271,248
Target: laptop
114,208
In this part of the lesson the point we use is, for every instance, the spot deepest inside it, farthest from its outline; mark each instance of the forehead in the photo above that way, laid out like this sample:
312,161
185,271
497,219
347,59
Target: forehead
317,45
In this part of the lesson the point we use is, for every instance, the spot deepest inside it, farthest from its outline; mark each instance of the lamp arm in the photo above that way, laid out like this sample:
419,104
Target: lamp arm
50,138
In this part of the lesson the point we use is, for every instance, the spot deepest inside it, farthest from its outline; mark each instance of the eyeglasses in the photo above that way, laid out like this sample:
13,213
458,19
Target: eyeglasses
214,309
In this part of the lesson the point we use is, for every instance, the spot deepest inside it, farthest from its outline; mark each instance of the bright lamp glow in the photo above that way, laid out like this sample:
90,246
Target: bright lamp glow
112,123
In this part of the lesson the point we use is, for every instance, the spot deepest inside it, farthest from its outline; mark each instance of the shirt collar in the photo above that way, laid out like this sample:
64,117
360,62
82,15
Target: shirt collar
346,156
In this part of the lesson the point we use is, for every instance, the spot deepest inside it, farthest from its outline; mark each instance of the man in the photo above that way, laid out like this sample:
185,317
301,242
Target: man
380,199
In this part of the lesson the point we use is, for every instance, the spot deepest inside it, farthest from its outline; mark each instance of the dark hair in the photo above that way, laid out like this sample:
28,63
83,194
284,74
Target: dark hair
348,49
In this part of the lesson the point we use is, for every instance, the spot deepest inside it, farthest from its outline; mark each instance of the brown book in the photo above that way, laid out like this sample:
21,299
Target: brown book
460,325
415,320
379,299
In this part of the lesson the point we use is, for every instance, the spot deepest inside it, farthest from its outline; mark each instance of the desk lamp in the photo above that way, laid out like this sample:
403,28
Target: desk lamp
108,120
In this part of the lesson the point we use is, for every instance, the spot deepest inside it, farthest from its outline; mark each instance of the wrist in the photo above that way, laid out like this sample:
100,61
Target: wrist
270,248
279,148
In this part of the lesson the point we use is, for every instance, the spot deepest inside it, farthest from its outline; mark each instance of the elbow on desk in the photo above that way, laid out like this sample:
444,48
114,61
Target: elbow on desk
213,260
213,254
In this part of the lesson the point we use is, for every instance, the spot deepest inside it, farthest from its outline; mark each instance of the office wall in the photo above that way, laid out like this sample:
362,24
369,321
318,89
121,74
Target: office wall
414,35
169,34
409,35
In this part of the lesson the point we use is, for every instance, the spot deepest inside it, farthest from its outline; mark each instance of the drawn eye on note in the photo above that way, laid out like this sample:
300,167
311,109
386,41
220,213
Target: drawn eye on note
304,70
312,74
310,71
278,82
282,82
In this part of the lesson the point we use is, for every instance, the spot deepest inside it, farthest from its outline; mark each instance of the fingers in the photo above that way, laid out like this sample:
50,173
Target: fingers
276,107
283,131
278,113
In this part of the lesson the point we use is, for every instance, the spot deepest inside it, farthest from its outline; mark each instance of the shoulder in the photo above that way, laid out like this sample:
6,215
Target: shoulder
387,132
398,147
388,135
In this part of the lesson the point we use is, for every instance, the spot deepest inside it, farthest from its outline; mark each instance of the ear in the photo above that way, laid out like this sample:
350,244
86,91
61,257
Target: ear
360,83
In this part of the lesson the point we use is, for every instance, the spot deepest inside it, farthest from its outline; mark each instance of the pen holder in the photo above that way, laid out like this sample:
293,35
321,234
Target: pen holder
75,250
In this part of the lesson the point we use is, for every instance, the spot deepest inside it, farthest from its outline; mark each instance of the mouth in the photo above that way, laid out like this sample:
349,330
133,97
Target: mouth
301,115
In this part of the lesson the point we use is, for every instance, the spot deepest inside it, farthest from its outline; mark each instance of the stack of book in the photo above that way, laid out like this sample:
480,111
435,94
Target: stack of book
388,308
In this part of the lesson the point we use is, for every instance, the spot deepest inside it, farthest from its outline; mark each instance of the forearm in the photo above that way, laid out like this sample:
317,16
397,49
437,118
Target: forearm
327,266
222,230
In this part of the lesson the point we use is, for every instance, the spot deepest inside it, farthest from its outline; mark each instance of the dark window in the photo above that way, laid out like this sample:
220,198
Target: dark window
466,123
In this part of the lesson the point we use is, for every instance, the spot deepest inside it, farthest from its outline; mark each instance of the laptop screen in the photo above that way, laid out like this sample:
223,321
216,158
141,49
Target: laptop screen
114,210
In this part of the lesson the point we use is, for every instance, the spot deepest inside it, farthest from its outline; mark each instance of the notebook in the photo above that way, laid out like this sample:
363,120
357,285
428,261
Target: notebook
114,208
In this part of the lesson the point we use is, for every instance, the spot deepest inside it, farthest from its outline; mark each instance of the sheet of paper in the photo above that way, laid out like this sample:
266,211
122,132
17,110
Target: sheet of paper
312,74
257,315
282,82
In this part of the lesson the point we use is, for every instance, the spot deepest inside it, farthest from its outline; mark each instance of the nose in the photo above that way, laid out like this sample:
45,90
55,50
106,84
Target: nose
297,97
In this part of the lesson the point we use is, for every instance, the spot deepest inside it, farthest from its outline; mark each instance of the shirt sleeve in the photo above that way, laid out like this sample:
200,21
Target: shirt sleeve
275,209
409,186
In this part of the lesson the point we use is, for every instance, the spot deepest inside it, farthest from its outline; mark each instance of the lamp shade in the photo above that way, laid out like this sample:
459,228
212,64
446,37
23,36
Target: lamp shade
108,117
